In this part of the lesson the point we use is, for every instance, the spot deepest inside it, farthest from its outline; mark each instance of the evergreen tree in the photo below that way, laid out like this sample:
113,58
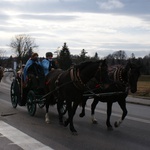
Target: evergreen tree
83,56
96,56
132,56
65,58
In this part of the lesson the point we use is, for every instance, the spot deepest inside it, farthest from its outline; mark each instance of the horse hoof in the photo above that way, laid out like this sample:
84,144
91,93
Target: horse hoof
94,121
66,123
110,128
74,133
82,115
47,121
116,124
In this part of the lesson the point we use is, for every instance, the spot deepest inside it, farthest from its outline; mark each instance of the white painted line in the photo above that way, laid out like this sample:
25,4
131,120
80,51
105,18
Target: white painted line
21,139
117,115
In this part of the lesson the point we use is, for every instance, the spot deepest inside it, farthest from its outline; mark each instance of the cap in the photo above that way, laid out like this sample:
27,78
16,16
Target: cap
49,54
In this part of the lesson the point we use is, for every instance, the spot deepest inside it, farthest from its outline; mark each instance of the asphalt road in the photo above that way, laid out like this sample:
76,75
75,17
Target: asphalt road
19,131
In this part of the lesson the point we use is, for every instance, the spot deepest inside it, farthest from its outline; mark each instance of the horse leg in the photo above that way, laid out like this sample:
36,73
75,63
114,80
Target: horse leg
122,104
59,107
47,120
71,115
93,106
69,107
82,114
109,110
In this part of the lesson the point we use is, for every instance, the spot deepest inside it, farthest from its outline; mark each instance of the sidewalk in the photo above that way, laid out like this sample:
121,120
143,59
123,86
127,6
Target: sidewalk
138,100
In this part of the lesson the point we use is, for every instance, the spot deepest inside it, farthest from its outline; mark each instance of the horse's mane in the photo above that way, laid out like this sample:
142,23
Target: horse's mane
126,66
83,64
132,65
53,73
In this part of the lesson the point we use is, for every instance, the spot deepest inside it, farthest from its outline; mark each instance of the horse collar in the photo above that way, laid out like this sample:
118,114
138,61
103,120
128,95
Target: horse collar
118,75
75,77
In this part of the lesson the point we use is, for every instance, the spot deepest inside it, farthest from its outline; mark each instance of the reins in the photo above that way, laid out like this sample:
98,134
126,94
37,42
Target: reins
57,87
118,79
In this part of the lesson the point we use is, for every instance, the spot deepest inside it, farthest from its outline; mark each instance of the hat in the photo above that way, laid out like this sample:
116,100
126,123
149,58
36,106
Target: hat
49,54
34,54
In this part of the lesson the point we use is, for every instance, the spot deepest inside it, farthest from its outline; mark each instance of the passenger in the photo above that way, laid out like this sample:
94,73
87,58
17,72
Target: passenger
48,64
32,61
23,92
20,74
20,71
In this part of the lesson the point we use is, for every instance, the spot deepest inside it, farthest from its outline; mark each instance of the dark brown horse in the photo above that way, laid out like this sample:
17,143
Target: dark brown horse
124,79
69,86
51,90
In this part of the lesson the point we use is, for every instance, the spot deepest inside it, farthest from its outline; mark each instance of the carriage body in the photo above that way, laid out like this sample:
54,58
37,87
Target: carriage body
32,93
27,95
67,89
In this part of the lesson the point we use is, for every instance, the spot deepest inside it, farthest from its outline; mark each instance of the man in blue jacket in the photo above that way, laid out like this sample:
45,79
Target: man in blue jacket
31,61
48,64
34,77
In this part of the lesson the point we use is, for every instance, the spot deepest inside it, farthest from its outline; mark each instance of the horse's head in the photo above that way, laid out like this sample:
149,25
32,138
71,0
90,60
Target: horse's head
133,75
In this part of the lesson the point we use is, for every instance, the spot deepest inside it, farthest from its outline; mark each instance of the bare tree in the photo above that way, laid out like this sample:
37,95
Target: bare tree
22,45
120,56
2,53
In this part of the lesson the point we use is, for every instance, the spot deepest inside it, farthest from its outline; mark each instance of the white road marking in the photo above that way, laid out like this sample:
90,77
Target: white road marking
117,115
21,139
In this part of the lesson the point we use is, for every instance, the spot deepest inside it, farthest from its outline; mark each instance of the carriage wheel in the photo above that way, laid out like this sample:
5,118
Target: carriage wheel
31,104
14,93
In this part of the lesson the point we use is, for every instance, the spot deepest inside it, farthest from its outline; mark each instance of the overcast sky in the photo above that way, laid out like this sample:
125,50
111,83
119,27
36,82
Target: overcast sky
102,26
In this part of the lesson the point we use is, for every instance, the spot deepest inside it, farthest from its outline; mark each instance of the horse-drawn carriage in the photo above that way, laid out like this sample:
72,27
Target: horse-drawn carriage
67,89
62,87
